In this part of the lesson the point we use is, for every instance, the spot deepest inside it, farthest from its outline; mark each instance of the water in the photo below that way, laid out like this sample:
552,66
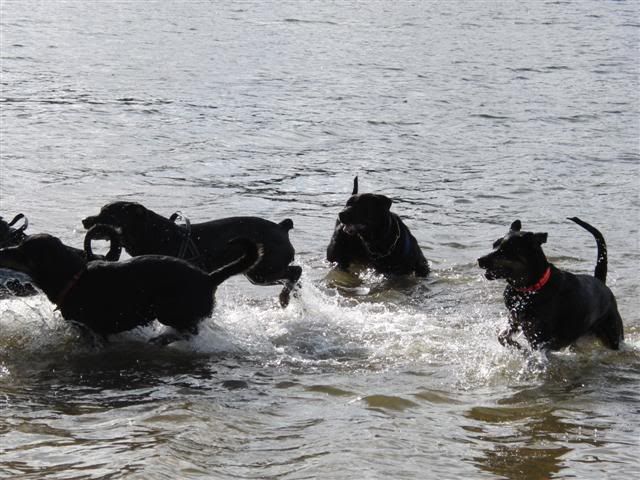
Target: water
468,114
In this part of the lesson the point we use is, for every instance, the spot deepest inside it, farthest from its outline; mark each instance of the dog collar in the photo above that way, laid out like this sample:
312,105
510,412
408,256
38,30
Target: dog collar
537,286
376,255
65,291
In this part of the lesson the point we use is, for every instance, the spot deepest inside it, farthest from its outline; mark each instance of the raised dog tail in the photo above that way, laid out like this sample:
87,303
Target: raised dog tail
601,264
286,224
253,253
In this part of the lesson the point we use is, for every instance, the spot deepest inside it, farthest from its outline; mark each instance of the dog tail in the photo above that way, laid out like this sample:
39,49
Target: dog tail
286,224
601,264
253,253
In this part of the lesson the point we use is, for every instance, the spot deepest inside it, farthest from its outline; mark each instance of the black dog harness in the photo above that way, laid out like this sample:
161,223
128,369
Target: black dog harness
188,249
378,256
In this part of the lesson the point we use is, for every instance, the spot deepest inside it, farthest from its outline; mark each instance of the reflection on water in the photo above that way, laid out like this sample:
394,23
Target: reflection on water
534,432
522,440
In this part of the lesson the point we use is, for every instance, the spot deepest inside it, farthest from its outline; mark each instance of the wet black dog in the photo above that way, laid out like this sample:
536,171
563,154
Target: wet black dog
206,244
552,307
368,233
112,297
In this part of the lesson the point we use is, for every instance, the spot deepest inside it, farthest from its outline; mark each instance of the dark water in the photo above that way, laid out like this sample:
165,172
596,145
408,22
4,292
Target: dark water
468,114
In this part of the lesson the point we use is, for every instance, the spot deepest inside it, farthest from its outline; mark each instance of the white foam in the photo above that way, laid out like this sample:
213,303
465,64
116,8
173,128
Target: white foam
322,328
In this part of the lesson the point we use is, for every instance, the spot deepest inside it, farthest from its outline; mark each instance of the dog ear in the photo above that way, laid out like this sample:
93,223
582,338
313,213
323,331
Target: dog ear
516,226
384,202
540,238
137,210
355,185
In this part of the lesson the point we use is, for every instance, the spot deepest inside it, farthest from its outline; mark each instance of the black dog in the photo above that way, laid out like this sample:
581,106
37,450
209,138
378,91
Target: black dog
112,297
367,233
206,245
552,307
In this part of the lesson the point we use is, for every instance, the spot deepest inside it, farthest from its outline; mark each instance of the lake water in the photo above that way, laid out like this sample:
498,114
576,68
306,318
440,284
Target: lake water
468,114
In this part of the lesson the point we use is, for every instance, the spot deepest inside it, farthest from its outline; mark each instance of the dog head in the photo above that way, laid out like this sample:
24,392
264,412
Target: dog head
517,257
10,235
120,215
35,254
364,212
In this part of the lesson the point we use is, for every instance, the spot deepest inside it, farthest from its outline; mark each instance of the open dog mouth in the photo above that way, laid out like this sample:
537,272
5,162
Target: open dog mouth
352,228
495,273
491,275
89,222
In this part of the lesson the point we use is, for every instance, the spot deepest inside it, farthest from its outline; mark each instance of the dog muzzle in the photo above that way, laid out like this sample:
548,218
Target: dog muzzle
352,229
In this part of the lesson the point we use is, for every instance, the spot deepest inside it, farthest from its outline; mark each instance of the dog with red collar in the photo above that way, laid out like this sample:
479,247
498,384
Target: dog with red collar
552,307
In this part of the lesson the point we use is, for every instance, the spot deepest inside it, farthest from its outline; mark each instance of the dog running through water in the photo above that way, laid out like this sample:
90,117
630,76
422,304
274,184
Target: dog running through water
206,245
112,297
552,307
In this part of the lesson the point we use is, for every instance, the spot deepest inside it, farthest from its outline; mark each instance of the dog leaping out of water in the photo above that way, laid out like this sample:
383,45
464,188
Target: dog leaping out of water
552,307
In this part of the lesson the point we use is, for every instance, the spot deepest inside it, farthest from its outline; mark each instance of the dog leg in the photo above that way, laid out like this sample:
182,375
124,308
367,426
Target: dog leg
506,338
609,330
422,270
291,282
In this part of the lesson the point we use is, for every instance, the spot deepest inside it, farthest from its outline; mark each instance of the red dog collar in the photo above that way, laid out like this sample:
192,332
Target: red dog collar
541,283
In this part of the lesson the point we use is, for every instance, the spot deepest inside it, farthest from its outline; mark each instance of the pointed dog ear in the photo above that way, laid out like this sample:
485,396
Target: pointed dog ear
516,226
384,202
540,238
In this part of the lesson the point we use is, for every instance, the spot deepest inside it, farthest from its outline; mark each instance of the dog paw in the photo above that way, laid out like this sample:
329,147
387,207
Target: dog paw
284,297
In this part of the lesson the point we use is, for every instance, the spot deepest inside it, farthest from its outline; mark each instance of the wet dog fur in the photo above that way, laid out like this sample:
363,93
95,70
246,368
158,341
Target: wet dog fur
369,234
552,307
112,297
145,232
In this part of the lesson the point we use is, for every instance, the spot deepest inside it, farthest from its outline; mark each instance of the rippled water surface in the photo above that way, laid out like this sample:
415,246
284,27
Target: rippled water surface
468,114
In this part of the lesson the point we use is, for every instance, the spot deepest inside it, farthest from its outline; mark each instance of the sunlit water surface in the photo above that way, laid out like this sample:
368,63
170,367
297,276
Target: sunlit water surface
468,114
